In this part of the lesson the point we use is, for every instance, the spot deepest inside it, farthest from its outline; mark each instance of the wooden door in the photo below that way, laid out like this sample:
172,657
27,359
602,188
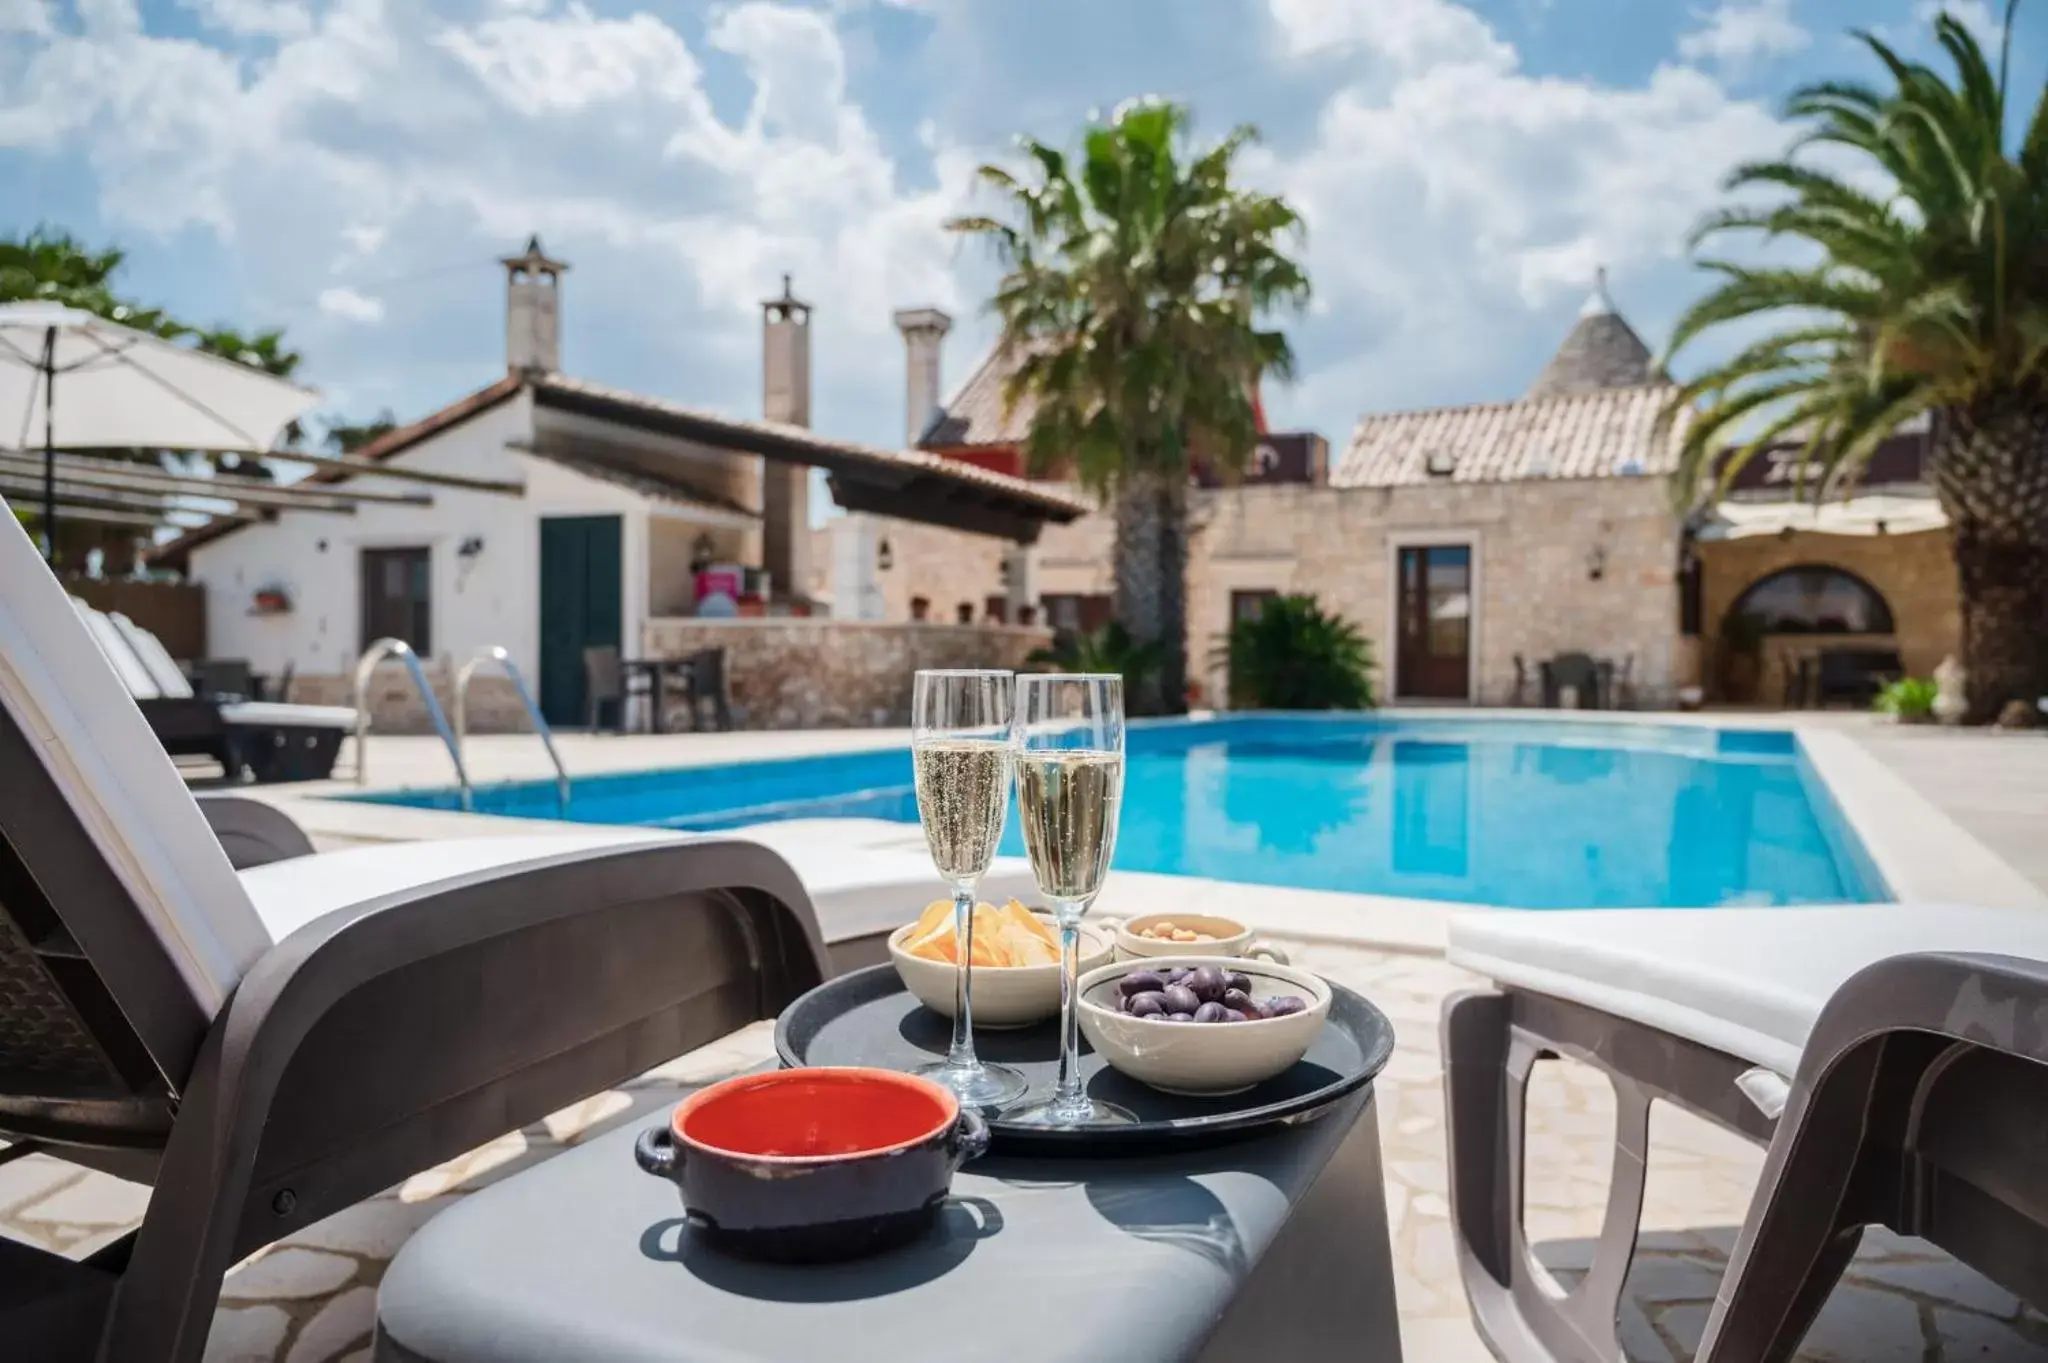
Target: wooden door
1433,622
580,606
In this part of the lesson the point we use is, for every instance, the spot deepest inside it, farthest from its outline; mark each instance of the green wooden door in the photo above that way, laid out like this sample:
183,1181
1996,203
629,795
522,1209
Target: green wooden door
580,564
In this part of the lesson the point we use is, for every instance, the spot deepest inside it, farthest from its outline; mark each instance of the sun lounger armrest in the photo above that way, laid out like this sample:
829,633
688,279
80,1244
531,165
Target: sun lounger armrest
1997,1002
253,833
382,1039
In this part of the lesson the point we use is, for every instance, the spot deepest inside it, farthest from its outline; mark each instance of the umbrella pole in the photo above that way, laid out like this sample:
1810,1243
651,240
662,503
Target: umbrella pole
50,447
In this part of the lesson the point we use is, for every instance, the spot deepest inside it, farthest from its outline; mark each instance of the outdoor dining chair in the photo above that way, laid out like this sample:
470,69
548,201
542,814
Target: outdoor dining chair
267,1047
1893,1057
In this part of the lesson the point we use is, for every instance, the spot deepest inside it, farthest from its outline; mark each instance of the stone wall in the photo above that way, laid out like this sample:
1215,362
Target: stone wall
395,706
829,674
1915,574
1536,595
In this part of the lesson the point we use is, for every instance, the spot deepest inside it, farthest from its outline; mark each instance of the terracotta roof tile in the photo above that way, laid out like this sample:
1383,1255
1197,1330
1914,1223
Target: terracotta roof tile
978,412
1608,433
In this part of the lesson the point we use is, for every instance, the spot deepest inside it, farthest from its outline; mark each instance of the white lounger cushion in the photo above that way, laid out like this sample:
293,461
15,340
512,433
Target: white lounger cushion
119,656
857,891
149,650
278,715
63,693
1749,982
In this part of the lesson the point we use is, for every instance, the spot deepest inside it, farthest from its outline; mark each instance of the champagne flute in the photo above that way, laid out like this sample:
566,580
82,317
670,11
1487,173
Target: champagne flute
961,750
1070,785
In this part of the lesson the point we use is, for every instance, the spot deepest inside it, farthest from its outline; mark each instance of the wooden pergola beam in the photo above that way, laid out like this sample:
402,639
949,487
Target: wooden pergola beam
137,478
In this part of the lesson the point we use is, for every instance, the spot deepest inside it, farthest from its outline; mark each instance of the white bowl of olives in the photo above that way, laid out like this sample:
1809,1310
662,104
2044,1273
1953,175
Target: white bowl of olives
1202,1025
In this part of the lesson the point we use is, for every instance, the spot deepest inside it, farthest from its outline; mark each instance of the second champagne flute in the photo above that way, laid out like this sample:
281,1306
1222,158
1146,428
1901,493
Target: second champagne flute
961,750
1070,787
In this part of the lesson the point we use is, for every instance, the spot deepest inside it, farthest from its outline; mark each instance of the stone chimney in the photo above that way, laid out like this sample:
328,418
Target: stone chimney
533,310
924,332
785,487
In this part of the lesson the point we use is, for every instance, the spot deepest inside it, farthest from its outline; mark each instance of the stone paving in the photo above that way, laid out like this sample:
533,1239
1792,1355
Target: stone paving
311,1299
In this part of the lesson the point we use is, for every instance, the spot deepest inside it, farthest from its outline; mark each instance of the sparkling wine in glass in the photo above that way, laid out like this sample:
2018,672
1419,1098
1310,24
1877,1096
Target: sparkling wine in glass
1070,786
961,751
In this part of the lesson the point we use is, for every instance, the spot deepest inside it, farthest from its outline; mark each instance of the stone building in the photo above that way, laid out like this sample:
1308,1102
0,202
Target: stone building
1469,543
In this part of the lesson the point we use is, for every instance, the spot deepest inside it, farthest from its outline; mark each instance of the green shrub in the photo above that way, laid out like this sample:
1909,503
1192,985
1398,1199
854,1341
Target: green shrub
1296,656
1909,699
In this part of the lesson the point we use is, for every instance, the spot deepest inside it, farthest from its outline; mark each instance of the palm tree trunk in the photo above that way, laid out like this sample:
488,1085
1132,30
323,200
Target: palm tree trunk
1990,470
1151,583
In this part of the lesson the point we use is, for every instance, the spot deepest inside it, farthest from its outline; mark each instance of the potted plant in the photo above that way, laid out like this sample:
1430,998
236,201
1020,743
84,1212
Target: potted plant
1294,655
1909,700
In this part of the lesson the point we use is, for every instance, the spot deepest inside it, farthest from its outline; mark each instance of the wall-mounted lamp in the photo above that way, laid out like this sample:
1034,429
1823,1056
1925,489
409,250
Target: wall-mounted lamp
470,547
1596,562
885,557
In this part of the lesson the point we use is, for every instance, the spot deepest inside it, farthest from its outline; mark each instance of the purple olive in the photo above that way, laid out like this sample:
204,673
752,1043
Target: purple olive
1240,981
1285,1005
1149,1004
1242,1002
1212,1012
1180,999
1140,982
1175,1017
1178,975
1208,982
1233,1015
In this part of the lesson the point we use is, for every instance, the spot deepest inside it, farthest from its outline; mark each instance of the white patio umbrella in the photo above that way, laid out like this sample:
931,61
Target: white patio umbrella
70,380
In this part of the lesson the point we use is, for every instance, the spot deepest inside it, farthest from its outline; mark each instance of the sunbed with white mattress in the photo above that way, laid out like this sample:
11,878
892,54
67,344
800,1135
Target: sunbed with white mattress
276,741
270,1047
1893,1057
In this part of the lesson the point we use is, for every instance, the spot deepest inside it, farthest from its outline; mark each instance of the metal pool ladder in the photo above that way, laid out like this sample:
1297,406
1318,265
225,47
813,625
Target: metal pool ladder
495,654
365,665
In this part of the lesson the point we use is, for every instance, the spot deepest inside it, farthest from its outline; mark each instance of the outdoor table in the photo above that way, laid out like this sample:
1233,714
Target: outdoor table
1273,1247
657,671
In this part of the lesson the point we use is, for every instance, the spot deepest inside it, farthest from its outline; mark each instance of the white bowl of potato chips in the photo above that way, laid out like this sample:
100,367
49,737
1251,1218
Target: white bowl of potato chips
1016,959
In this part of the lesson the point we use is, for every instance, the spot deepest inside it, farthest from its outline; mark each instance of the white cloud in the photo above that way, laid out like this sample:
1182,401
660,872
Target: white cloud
253,18
1407,33
25,16
433,145
1455,202
350,306
1737,32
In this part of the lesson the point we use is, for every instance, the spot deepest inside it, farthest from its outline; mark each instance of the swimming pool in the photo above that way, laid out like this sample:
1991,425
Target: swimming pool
1528,814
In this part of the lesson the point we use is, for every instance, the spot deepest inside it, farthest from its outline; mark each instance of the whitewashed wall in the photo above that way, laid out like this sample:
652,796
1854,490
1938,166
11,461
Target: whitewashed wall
491,599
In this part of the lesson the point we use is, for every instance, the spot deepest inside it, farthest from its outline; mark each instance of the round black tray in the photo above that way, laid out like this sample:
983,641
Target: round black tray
869,1018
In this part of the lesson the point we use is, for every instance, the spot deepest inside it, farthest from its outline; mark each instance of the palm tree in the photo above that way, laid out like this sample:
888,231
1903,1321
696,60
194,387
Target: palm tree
1927,297
1134,277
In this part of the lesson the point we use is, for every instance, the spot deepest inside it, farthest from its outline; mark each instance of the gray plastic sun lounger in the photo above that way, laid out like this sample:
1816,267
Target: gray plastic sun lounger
276,742
266,1048
1894,1059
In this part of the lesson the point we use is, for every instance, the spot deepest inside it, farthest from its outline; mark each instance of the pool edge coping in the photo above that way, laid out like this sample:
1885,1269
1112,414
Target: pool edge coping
1923,855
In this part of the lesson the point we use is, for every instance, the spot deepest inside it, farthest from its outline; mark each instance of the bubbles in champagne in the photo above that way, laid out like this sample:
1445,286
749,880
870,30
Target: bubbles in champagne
1068,802
963,787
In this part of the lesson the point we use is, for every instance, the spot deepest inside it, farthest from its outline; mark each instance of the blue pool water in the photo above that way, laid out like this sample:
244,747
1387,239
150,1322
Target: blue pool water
1526,814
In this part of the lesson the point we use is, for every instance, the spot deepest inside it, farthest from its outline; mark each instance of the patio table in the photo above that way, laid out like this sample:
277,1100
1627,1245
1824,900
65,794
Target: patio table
658,672
1274,1247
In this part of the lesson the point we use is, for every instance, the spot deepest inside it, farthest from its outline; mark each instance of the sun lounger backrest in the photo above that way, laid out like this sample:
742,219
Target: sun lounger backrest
163,669
110,879
119,656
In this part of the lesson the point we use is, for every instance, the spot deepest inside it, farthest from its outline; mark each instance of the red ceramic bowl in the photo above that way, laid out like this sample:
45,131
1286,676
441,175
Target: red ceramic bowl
812,1165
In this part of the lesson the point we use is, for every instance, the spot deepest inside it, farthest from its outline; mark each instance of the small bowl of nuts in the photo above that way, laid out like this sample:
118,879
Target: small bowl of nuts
1190,934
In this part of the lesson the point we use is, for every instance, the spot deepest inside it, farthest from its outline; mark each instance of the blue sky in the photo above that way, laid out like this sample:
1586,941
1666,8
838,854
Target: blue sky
350,169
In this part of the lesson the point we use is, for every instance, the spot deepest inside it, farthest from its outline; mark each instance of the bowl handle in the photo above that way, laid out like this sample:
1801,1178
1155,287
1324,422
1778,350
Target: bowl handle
969,1139
655,1152
1264,951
